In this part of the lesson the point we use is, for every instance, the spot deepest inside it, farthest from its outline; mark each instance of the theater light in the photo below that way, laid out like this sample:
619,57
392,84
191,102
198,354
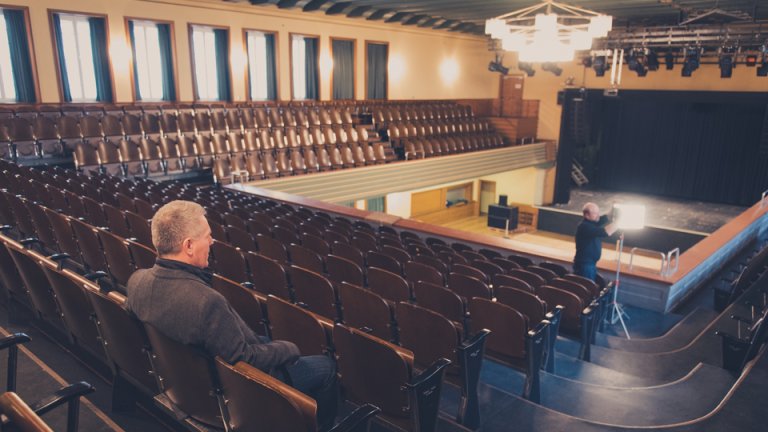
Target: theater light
726,62
692,61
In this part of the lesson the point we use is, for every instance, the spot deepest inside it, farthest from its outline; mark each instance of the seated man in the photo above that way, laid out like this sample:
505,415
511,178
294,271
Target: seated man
175,297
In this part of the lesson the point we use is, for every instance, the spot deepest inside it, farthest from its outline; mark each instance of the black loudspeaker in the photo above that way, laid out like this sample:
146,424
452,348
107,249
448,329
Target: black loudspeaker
503,200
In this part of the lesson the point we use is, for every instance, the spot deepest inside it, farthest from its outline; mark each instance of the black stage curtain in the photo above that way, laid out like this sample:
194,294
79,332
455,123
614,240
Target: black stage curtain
691,145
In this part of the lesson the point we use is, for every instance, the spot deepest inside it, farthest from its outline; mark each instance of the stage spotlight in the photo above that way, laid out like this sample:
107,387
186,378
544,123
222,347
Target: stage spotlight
599,64
552,67
652,61
496,66
726,62
692,61
669,60
636,62
527,68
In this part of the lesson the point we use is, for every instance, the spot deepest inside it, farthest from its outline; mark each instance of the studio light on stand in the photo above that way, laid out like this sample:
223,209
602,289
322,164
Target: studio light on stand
627,217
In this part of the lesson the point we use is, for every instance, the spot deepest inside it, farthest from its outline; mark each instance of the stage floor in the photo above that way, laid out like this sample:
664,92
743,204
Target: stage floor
663,212
552,245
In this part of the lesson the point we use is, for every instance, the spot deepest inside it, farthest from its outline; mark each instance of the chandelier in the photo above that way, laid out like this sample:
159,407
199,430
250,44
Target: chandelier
549,31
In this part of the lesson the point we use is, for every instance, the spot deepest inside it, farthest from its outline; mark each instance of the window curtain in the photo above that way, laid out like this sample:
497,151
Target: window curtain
222,62
343,69
310,66
20,61
166,57
100,59
376,204
271,67
377,71
135,67
62,64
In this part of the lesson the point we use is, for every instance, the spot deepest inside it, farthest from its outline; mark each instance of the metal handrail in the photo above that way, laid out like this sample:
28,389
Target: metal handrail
676,252
664,262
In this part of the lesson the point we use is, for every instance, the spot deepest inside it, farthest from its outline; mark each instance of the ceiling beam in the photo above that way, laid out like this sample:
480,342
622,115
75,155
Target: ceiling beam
337,8
314,5
287,4
397,17
378,14
358,11
429,23
414,19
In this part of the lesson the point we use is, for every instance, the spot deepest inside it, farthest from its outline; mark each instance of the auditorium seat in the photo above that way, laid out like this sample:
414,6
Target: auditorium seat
280,406
291,322
430,336
246,302
468,286
374,371
268,276
388,285
314,292
306,258
74,307
193,389
572,304
229,261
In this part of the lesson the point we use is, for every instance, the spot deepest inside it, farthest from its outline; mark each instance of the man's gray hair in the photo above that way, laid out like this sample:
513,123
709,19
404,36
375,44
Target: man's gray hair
175,222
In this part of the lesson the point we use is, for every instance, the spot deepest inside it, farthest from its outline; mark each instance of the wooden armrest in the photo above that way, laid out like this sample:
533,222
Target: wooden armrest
21,415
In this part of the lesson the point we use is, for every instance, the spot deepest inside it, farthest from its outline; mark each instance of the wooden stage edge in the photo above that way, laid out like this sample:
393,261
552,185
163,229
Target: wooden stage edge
640,287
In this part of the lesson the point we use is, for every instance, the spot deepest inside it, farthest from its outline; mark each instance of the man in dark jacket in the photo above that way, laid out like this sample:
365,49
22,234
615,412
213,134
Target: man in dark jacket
589,236
175,297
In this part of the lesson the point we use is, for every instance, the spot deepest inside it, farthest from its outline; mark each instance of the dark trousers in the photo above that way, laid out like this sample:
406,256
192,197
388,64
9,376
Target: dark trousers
588,270
315,376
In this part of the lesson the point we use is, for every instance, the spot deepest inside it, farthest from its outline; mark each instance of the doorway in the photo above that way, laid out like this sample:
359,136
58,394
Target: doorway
487,195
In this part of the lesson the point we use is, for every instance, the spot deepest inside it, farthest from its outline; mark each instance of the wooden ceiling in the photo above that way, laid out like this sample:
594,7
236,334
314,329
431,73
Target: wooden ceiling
468,16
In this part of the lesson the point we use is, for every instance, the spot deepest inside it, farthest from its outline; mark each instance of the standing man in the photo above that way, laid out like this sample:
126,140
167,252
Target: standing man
175,297
589,235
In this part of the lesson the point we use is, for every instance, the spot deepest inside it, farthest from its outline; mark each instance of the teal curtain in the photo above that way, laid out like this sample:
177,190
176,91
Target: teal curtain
221,37
166,57
310,66
136,86
376,204
100,59
343,69
271,67
62,64
20,61
377,71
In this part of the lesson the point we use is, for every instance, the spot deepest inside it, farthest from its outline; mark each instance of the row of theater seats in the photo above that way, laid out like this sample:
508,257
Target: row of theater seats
51,133
422,139
96,322
254,155
271,223
18,414
383,114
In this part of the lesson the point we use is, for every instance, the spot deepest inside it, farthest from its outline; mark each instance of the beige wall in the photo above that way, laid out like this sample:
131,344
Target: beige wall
523,186
544,86
419,51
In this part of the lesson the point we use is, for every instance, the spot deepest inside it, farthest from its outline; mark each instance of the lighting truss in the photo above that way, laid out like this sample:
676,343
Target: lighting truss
549,31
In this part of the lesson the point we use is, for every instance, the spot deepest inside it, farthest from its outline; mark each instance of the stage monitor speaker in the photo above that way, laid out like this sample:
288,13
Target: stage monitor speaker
499,215
503,200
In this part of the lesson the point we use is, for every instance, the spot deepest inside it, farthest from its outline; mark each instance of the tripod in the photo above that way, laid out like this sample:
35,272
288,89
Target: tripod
617,312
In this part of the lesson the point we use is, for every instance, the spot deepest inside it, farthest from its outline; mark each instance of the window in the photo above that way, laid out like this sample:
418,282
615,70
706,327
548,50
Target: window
378,57
152,67
81,43
210,59
343,68
304,67
261,65
7,84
